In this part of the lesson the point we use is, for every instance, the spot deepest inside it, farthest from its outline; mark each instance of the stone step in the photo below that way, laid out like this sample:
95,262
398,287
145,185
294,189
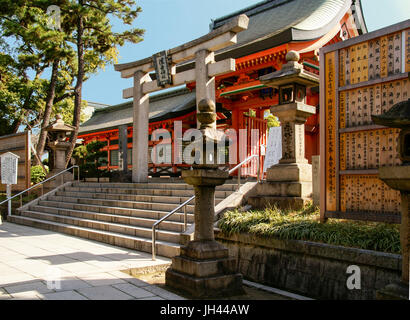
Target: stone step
163,248
129,230
162,186
166,180
152,214
122,204
150,192
169,224
126,197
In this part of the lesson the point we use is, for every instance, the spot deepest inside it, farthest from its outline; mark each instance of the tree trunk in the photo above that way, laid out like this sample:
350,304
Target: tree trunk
78,86
47,111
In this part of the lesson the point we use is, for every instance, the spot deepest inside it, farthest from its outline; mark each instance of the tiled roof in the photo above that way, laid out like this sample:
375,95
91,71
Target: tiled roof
281,21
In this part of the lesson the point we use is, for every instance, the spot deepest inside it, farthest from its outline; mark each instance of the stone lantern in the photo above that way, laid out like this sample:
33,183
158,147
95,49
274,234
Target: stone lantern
58,131
398,178
289,183
204,268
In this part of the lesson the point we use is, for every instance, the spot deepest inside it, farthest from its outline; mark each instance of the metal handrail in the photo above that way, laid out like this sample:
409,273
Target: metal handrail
183,205
38,184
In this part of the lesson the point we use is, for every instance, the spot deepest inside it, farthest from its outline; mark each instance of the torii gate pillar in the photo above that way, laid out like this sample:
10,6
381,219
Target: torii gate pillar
140,129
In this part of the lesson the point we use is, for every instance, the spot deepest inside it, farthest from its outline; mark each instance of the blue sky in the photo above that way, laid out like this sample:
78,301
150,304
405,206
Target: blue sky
169,23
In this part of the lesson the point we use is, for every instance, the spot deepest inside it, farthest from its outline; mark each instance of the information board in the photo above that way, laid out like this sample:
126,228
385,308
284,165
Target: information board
273,148
361,77
9,163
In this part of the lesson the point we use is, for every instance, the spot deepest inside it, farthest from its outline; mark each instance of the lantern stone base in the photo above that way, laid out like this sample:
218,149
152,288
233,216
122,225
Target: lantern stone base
287,186
292,172
203,270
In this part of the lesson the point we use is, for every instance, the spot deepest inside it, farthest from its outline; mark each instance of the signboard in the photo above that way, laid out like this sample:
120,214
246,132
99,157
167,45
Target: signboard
361,77
9,163
273,148
162,68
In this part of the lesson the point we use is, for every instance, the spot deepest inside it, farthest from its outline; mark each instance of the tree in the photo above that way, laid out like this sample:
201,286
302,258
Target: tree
88,25
30,45
90,158
84,44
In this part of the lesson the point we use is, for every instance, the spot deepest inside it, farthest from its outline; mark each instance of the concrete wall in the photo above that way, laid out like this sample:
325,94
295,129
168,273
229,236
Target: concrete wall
312,269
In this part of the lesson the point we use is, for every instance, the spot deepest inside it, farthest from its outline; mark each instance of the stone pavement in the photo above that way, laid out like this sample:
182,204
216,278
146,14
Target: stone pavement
39,264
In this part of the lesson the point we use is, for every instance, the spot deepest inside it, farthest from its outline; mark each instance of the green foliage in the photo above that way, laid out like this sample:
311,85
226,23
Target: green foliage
27,47
37,174
90,158
272,121
85,43
305,225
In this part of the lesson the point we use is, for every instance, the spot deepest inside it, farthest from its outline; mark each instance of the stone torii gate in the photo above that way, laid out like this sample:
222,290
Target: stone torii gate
201,52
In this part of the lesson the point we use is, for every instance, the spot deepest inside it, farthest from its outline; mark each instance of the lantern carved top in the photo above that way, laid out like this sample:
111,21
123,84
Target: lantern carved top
397,117
291,72
59,125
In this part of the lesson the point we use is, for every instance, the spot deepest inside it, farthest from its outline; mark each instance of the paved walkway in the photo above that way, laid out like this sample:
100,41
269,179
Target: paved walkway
39,264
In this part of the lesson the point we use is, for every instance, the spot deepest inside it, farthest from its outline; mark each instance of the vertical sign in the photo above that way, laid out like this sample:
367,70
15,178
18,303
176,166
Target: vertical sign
342,67
330,132
406,49
383,56
162,68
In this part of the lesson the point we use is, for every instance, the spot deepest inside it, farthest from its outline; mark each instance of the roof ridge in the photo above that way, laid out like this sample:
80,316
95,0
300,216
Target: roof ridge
249,11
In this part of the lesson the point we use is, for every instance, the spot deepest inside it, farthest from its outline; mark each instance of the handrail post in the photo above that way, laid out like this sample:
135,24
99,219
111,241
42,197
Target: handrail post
259,169
153,243
239,177
185,218
8,195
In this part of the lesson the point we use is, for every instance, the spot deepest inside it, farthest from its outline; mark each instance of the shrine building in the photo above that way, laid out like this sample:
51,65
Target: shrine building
242,101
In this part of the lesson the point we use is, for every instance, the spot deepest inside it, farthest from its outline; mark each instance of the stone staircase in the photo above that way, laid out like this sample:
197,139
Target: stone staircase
120,214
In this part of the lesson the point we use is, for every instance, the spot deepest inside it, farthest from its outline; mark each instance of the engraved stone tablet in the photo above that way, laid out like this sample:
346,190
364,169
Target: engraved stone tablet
273,148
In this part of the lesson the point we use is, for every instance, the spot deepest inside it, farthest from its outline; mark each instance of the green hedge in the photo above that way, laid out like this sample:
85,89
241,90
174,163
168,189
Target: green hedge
305,225
38,174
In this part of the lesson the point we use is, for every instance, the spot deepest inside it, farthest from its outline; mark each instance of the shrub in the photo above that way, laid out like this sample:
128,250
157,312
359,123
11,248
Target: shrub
90,158
305,225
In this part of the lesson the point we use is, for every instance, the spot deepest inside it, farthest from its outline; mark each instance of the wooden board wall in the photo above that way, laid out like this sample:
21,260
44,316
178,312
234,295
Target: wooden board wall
361,77
18,144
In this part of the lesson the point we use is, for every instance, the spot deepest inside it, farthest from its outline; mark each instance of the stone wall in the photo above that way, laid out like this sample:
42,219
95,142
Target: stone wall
312,269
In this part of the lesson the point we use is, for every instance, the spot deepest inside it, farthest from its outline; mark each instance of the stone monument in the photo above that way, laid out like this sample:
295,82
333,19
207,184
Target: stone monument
398,178
204,269
289,183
